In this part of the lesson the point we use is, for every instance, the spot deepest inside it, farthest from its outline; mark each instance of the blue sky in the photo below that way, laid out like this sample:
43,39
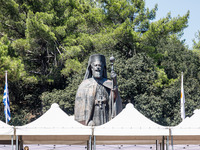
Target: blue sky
180,7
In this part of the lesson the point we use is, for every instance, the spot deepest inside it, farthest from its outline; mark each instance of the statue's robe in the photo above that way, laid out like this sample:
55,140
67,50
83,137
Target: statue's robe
88,109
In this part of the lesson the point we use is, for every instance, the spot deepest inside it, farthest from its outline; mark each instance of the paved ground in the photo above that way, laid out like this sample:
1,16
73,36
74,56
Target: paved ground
102,147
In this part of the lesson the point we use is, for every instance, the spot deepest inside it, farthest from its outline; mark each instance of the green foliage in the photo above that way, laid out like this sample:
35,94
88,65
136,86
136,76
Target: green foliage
15,71
163,29
135,75
196,44
163,80
71,64
45,46
176,59
65,98
13,65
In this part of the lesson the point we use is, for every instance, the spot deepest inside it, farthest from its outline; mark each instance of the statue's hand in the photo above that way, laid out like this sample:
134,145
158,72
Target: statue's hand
113,75
91,123
114,78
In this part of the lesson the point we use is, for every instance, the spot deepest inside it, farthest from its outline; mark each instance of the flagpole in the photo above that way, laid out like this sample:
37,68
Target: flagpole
6,97
182,99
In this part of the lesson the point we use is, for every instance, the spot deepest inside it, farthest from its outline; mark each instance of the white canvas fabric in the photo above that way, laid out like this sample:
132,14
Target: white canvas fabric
6,131
131,122
130,127
189,126
188,131
55,126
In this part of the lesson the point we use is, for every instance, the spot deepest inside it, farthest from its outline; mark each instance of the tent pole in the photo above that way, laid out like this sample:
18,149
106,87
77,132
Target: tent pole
157,144
163,143
94,143
170,131
172,142
20,143
167,144
87,145
12,142
90,142
16,147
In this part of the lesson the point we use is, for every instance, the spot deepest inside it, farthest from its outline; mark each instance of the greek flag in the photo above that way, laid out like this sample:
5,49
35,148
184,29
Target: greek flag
6,103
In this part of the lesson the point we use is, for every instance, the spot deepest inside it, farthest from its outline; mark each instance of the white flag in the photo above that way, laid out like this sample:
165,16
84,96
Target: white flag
182,99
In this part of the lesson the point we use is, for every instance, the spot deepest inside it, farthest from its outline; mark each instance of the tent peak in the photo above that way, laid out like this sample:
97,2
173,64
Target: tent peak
129,106
196,111
54,105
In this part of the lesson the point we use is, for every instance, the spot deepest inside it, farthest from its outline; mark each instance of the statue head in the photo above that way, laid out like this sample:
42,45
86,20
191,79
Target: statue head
96,67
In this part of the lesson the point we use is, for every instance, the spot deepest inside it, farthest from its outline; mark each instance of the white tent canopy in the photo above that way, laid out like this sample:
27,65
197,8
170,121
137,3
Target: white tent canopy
6,131
188,131
56,127
130,127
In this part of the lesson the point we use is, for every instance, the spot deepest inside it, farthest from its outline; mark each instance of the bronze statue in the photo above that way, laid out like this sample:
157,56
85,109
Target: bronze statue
97,98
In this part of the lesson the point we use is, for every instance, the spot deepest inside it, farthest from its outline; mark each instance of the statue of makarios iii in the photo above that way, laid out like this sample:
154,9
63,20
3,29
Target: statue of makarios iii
97,98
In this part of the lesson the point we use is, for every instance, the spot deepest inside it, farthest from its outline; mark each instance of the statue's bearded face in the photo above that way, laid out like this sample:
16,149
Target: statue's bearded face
97,69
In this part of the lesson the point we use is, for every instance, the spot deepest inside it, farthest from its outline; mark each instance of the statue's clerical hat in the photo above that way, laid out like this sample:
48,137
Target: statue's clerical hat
97,57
